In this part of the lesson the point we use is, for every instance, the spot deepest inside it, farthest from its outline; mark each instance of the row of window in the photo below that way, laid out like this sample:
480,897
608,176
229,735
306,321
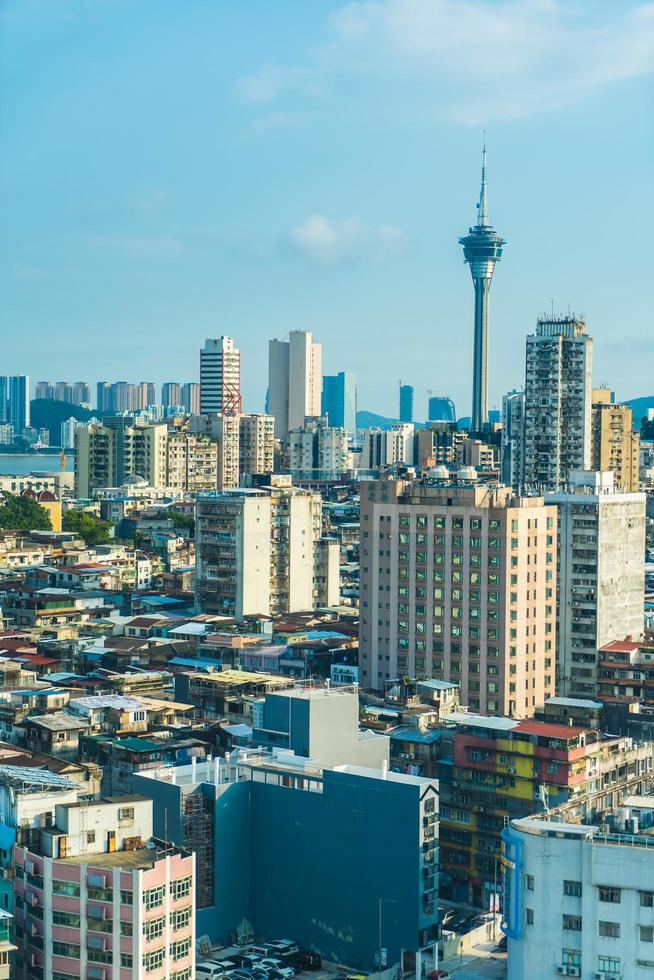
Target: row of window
72,889
153,897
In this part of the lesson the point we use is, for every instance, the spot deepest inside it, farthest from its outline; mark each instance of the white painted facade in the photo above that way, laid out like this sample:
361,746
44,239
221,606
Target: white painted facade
578,902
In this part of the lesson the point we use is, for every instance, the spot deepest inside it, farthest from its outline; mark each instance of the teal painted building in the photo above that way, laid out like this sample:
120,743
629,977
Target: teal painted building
310,853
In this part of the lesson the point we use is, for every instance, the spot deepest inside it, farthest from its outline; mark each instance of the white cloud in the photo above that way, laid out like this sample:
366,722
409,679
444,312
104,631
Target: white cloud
476,60
324,240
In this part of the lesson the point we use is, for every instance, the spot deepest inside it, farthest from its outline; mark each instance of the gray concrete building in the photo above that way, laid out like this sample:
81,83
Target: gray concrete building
601,575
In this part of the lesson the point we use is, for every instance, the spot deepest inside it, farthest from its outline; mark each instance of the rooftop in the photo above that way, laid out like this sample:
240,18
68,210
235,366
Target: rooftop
545,729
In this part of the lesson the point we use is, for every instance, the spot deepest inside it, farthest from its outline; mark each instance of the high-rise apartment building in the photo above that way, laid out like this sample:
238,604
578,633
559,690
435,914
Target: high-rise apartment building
191,397
220,377
256,551
339,401
558,396
191,461
406,403
458,582
482,248
15,401
601,575
225,430
614,444
318,451
171,395
513,439
107,454
256,444
388,447
441,409
294,381
97,896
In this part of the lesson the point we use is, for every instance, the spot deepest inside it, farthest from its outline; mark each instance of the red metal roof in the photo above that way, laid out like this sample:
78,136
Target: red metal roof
548,730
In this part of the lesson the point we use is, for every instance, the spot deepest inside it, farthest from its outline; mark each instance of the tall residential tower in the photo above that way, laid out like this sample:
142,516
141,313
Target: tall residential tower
482,248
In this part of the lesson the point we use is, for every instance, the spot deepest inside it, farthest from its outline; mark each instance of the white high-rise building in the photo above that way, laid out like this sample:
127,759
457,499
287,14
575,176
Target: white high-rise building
220,377
601,575
225,429
294,381
558,402
318,451
385,447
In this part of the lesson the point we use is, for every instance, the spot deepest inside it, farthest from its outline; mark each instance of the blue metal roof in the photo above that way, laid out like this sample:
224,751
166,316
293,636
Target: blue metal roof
404,733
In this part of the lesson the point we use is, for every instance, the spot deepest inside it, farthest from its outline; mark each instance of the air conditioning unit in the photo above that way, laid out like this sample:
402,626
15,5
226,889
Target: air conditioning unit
511,769
601,976
574,971
562,971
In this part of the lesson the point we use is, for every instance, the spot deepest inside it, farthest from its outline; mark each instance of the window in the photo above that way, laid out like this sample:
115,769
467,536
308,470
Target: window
180,949
530,917
530,878
90,837
66,949
155,959
572,888
70,888
647,934
126,928
609,964
572,923
647,900
609,929
152,897
571,957
153,928
180,919
70,919
126,897
126,960
607,894
180,888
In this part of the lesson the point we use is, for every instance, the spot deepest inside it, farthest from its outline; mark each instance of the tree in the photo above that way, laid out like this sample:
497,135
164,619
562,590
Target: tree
23,514
47,413
88,527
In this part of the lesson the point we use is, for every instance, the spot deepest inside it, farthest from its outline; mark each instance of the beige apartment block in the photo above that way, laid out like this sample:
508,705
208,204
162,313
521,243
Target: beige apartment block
614,444
458,582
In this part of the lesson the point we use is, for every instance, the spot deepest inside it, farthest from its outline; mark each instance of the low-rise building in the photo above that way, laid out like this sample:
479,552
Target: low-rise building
313,855
578,899
97,896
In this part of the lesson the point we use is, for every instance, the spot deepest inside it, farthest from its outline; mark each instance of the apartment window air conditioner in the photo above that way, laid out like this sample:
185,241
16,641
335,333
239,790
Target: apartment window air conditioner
574,971
562,971
601,976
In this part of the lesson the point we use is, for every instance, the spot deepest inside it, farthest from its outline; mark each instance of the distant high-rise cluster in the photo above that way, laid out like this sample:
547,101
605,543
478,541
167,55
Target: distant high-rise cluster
15,402
121,396
73,392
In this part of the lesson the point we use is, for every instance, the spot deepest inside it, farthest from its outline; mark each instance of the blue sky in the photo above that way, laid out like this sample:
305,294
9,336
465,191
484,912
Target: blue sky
173,170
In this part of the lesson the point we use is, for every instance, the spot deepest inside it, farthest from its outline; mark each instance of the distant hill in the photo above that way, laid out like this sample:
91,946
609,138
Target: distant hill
639,407
47,413
370,420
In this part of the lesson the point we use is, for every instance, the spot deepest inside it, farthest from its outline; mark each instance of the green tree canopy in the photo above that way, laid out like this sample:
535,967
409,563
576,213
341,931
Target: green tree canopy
90,528
23,514
47,413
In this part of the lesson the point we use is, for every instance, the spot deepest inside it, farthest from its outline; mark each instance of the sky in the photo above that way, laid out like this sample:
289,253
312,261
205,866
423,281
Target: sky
171,171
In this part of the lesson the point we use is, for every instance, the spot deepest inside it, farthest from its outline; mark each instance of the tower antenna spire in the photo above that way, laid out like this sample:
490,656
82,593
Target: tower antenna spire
482,207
